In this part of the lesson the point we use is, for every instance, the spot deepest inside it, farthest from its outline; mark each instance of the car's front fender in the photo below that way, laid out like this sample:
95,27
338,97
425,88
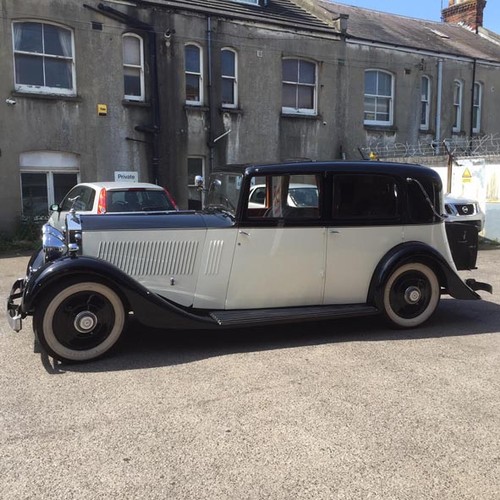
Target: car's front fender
148,307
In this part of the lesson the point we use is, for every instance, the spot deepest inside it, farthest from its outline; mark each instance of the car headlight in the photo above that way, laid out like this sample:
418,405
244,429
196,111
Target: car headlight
53,243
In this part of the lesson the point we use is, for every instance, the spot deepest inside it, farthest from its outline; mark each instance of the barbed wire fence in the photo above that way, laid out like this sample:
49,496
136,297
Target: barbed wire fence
487,146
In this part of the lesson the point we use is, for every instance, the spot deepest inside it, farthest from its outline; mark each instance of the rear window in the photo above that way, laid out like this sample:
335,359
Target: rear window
369,197
138,201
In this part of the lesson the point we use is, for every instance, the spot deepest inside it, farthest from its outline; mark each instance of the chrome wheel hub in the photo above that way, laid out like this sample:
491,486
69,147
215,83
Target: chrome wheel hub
85,322
412,295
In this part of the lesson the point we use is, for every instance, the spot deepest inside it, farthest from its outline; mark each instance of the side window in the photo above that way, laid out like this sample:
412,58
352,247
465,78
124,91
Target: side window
419,211
457,105
288,197
299,87
229,70
477,106
81,198
379,98
194,74
43,58
425,102
368,197
133,67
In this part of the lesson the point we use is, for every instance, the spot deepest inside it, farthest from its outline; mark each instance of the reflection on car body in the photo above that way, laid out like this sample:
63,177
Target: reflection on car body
369,240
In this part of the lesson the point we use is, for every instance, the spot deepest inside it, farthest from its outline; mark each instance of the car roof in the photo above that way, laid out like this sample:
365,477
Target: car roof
365,166
120,186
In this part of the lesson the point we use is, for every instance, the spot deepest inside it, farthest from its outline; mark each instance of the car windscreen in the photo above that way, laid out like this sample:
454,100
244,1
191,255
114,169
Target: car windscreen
138,200
224,191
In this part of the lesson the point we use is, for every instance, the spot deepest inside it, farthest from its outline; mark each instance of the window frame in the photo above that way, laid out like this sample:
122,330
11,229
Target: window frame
287,110
233,78
425,103
142,96
457,105
44,89
477,105
200,75
390,121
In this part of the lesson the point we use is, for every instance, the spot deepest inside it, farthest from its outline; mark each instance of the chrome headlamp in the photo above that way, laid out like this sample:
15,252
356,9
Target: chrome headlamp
53,243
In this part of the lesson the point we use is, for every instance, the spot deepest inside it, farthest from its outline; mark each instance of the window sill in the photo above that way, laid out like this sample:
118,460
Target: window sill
135,104
304,116
231,111
195,107
380,128
47,97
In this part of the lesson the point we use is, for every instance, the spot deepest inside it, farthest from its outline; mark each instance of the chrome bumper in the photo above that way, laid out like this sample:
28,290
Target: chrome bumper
14,314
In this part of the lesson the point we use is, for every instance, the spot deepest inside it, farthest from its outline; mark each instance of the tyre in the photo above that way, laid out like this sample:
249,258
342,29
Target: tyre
79,322
410,295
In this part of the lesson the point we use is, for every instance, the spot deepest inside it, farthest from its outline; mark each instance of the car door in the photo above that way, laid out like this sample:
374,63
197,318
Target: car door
366,223
279,257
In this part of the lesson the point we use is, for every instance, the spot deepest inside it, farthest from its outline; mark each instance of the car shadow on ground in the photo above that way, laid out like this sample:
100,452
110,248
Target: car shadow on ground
141,347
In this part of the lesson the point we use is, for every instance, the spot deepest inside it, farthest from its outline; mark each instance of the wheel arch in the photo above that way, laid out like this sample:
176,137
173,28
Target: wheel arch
415,251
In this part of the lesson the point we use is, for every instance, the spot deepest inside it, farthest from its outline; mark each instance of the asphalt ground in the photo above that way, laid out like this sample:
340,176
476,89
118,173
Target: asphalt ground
333,410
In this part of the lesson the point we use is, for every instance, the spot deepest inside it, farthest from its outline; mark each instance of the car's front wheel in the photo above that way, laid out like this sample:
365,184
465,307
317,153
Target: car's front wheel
410,295
79,322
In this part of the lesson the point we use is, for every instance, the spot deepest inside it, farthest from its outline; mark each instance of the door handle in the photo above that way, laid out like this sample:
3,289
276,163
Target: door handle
244,232
334,231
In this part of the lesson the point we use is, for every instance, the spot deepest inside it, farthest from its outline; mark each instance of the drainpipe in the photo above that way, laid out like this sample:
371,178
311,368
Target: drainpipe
211,142
439,102
474,68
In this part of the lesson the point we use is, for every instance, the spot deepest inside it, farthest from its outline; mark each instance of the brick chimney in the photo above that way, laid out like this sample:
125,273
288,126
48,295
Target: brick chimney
468,12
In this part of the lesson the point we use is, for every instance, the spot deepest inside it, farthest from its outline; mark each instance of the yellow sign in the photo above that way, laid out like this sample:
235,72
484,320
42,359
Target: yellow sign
102,109
466,176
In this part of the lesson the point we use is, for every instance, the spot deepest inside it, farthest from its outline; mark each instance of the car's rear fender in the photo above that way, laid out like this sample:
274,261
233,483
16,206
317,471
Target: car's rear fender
148,307
414,251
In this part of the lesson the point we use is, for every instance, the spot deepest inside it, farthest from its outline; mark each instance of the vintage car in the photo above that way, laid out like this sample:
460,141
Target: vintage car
373,242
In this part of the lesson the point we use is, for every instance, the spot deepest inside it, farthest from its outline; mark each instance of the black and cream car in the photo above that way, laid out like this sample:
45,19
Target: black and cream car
371,241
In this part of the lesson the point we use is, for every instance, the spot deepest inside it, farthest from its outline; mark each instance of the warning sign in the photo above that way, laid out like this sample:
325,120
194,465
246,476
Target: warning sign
466,176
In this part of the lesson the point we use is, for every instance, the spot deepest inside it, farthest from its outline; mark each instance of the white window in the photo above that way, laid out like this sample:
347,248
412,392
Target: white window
299,86
379,98
476,110
133,67
457,106
425,102
46,176
194,74
43,58
229,73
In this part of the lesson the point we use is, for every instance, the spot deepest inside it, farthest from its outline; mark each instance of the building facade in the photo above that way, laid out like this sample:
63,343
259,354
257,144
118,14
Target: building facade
163,91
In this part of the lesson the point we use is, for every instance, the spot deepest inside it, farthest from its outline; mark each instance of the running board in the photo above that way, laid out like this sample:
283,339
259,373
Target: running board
247,317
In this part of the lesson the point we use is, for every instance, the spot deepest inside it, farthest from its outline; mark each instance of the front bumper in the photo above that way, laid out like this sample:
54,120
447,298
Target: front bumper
14,312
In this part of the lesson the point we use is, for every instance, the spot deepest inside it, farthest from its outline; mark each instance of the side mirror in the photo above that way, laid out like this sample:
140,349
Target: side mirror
198,180
55,207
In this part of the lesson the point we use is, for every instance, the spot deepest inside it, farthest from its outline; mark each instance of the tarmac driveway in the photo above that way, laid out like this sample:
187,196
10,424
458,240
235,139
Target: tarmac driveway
331,410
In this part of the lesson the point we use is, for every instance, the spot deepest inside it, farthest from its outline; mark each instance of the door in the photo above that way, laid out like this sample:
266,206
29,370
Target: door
366,225
279,258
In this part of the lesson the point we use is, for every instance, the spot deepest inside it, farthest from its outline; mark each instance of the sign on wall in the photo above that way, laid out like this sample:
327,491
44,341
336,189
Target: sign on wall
126,176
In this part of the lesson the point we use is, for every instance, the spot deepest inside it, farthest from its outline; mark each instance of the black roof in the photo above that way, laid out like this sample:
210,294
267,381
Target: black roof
391,29
281,12
295,168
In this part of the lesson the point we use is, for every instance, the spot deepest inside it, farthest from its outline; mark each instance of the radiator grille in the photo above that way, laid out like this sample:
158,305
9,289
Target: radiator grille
158,258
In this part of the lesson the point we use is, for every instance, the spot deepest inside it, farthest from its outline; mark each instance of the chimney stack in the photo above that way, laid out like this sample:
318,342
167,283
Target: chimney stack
468,12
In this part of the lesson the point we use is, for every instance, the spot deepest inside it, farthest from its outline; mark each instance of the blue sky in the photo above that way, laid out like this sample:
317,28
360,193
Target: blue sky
426,9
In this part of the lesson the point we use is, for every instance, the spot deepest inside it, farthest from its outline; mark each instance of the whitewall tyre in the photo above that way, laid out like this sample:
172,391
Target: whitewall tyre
79,322
410,295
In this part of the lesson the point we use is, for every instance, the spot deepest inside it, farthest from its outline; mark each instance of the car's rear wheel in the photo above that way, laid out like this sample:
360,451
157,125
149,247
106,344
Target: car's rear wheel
79,322
410,295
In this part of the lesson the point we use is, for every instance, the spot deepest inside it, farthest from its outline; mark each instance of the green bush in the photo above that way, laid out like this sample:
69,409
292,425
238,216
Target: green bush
26,236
